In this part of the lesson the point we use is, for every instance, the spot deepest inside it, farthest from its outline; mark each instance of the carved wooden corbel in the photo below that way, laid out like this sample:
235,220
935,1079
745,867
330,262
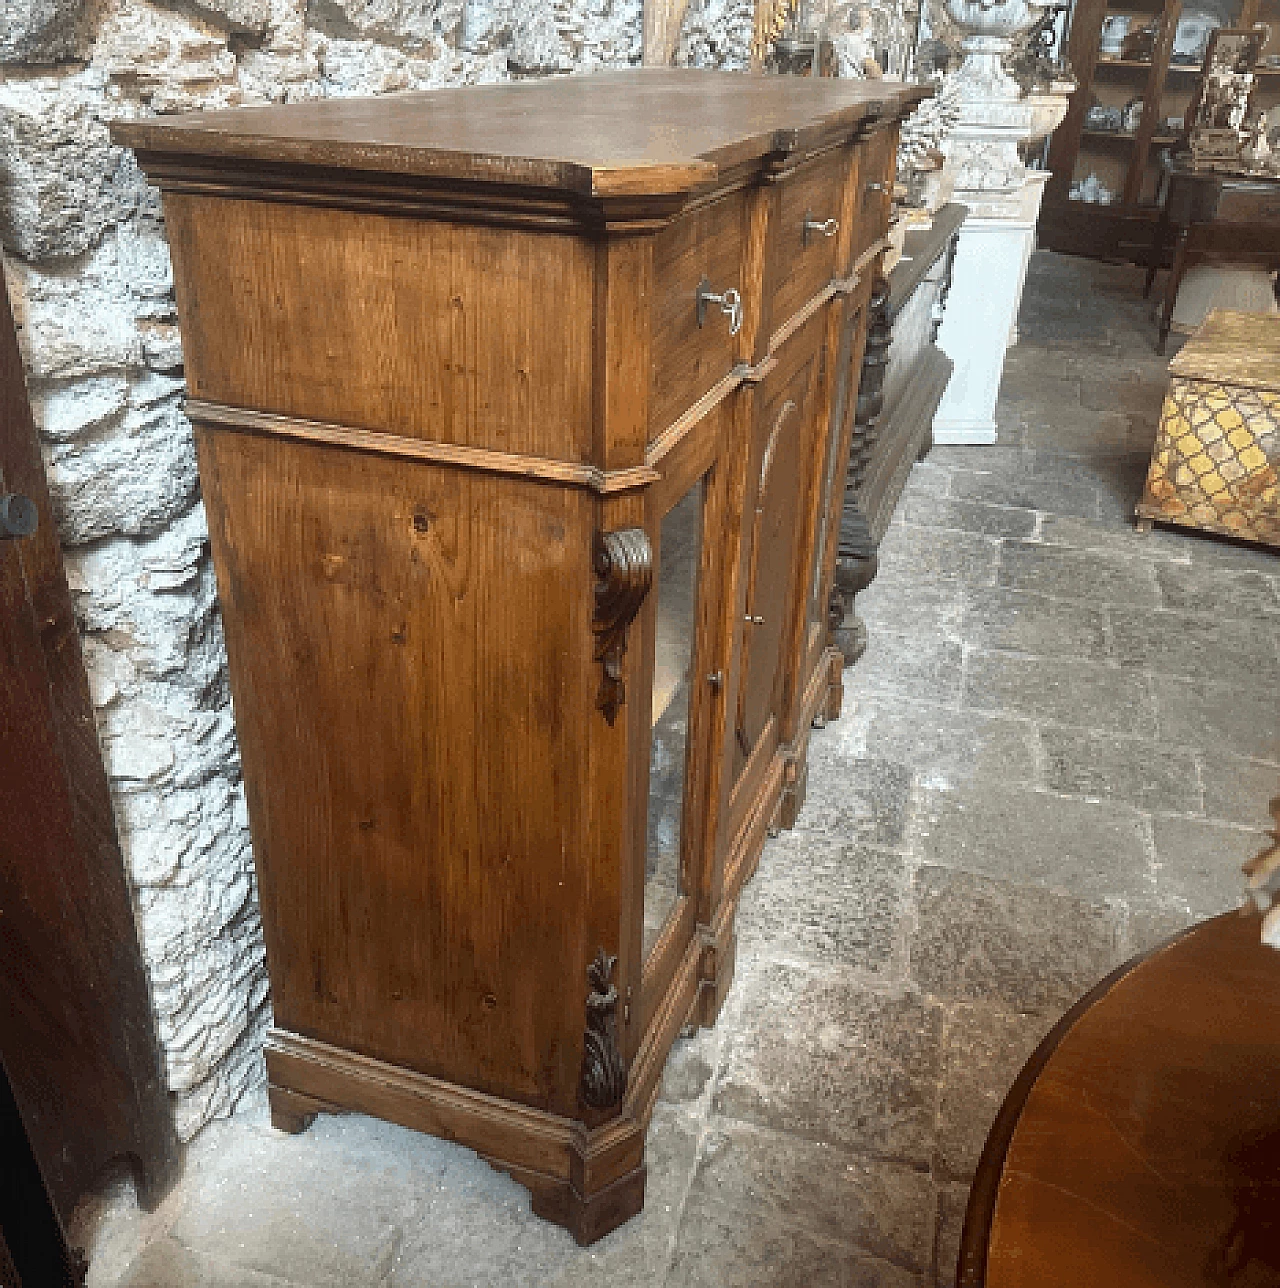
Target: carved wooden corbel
603,1082
624,572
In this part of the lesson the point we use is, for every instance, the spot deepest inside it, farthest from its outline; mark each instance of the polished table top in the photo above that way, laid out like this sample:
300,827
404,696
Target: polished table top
1141,1144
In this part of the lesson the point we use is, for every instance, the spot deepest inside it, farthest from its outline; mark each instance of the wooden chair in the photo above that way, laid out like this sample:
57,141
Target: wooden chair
1218,218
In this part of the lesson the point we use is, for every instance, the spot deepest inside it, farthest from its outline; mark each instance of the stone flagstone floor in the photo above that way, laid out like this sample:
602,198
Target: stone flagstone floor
1058,748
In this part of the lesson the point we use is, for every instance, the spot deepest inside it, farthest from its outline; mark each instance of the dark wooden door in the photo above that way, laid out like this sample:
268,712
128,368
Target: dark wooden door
770,535
77,1037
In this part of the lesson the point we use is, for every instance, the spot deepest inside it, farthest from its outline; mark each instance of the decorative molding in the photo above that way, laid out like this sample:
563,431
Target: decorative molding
568,473
623,562
604,1075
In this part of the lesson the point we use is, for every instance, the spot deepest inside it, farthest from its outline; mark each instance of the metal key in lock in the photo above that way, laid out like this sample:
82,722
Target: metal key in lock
730,303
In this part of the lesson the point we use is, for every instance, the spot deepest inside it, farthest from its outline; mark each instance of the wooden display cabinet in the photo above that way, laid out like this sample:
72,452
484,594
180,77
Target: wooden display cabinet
514,409
1130,162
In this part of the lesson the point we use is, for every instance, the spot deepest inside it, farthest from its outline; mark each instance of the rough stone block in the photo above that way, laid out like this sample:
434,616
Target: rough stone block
1062,690
1022,621
1073,574
820,899
42,31
1217,718
820,1056
984,1049
1141,772
1200,862
983,940
65,184
1092,849
885,1209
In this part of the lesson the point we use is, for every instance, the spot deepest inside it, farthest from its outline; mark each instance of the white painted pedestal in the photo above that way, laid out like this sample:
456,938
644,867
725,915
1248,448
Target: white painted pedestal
990,269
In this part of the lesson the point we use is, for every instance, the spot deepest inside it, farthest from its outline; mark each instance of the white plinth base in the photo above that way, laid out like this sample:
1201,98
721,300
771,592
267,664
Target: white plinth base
982,311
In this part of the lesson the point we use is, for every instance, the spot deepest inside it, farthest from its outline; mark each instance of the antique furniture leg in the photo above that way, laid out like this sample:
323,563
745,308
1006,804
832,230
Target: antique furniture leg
1157,247
1171,286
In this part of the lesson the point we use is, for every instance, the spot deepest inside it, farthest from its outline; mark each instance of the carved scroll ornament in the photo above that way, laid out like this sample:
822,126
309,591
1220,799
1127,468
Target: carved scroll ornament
624,572
604,1076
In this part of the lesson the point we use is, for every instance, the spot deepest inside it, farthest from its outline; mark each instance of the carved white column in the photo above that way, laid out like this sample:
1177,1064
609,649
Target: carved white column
1003,197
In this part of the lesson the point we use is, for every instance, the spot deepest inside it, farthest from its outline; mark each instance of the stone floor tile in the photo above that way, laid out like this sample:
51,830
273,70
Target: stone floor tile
948,748
1113,538
1222,552
978,939
727,1247
907,608
1239,791
886,1209
1152,922
984,1048
1025,491
1090,576
911,665
928,478
1127,391
968,516
952,1202
855,800
281,1205
1092,849
817,1054
1021,621
819,899
1217,718
1078,429
1029,383
998,458
165,1263
1218,592
915,554
1061,690
1191,644
1200,862
1142,772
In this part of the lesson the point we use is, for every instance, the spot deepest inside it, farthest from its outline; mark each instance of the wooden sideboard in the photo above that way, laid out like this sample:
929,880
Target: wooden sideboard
514,409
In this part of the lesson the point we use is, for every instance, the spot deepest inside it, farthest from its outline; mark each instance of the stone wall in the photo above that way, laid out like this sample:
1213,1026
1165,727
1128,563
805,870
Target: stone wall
89,271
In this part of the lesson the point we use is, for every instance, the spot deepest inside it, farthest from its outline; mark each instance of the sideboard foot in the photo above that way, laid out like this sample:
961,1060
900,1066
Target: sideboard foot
591,1218
291,1112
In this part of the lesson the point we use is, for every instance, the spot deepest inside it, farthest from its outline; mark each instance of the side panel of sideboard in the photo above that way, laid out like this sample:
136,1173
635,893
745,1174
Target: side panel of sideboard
411,653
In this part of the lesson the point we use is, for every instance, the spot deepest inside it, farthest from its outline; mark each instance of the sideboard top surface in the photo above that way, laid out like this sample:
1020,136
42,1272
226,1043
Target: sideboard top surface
652,131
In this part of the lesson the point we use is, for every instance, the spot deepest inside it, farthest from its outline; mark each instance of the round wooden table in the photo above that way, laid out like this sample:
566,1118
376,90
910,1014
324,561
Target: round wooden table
1141,1143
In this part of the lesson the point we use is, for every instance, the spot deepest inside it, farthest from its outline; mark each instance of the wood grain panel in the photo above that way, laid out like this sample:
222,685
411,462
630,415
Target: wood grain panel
801,266
426,330
412,667
688,360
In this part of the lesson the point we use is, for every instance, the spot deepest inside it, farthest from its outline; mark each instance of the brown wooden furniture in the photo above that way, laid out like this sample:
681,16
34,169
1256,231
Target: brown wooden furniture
1212,216
904,375
513,407
1129,163
1140,1145
77,1038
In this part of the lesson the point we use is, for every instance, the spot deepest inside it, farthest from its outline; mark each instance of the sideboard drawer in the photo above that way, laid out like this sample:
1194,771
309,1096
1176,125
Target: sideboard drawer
702,248
875,189
804,237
